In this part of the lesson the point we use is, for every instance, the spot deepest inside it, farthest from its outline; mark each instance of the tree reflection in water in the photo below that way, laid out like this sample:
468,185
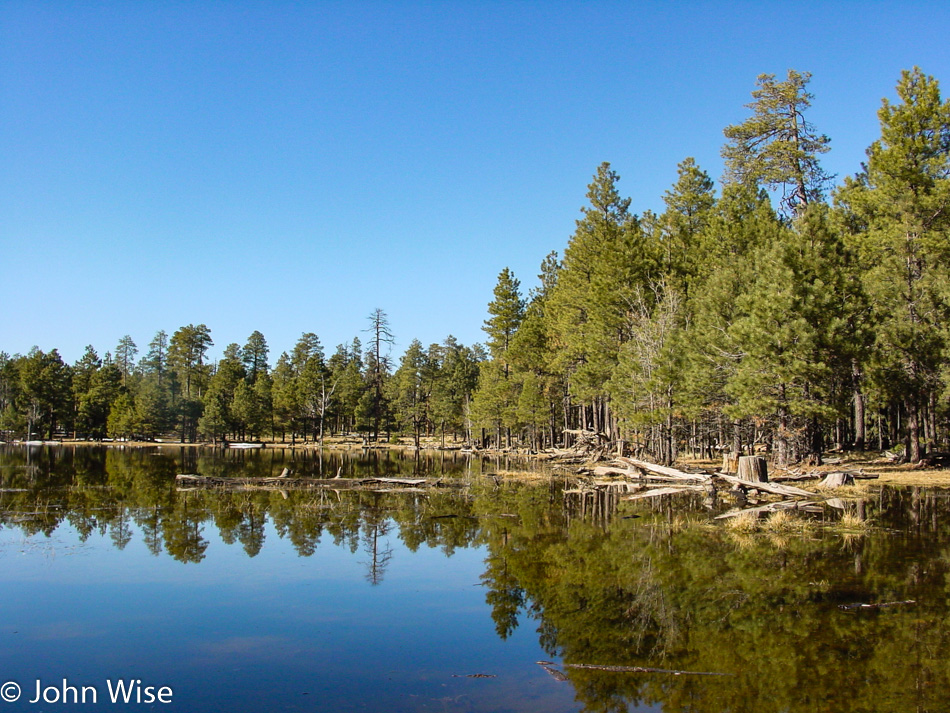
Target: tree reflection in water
608,582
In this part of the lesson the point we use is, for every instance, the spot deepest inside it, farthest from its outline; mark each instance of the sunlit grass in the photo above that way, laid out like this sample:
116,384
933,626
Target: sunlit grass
853,523
743,524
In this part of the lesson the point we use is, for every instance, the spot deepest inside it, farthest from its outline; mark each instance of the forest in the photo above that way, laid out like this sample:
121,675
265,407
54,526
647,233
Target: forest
782,312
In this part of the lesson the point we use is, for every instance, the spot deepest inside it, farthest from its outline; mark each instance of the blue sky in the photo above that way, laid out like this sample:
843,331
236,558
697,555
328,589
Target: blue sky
290,166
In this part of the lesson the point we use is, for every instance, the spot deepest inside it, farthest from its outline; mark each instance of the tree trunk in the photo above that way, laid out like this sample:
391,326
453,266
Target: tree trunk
781,436
913,451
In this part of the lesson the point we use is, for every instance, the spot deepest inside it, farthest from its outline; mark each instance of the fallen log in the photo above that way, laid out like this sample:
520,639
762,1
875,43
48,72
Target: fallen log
287,483
881,605
774,488
613,470
771,507
555,674
641,669
663,470
657,492
793,475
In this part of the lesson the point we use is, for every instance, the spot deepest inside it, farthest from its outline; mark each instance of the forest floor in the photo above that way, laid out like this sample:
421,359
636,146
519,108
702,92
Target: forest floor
868,463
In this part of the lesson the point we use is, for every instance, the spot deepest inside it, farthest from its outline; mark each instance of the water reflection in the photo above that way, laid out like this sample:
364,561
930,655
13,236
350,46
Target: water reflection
596,581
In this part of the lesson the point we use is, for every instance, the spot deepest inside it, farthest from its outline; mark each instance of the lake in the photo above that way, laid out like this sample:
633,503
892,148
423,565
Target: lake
116,583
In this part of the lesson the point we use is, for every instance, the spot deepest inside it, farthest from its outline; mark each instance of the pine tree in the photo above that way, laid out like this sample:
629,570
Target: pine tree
689,205
898,210
125,353
777,146
44,390
793,334
187,351
507,311
410,390
607,260
377,369
453,388
254,355
286,404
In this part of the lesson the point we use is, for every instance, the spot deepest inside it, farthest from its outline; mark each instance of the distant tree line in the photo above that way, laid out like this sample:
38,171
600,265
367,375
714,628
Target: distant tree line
729,322
175,389
726,322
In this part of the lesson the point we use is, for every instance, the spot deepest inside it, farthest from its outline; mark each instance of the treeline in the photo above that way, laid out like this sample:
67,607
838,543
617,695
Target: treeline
729,322
174,388
726,322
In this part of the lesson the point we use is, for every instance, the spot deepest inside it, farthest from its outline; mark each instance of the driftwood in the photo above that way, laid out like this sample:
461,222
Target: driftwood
555,674
641,669
474,675
791,475
880,605
774,488
934,460
287,483
806,505
664,470
603,470
656,492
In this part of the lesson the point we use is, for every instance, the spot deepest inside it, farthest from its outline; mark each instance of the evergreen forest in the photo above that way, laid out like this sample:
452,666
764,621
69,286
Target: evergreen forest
783,310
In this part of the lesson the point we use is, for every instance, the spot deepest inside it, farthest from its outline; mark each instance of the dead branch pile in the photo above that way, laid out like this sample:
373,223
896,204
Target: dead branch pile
587,446
641,479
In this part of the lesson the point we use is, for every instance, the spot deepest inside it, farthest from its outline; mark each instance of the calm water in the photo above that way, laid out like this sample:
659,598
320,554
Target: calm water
345,601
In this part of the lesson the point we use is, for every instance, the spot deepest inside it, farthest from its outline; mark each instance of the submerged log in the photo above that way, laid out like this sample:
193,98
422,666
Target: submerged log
287,483
641,669
555,674
806,505
656,492
881,605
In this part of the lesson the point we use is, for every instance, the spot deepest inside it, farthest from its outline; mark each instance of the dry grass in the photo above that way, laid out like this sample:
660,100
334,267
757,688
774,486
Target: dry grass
852,523
744,524
782,521
871,463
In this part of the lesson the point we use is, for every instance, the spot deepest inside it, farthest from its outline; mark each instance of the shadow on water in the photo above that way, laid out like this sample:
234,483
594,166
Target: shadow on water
604,581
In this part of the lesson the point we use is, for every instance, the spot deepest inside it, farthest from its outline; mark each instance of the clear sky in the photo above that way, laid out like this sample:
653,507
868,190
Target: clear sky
290,166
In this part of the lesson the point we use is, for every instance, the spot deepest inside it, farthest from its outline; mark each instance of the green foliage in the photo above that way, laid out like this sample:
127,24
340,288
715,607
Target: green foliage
605,262
455,381
43,396
777,146
719,317
507,311
689,205
254,355
897,214
410,389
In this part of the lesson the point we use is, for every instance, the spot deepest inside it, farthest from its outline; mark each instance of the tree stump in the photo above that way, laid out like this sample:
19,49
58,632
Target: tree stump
836,480
754,469
729,463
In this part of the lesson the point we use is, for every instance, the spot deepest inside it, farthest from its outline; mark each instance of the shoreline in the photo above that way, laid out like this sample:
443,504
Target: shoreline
870,463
